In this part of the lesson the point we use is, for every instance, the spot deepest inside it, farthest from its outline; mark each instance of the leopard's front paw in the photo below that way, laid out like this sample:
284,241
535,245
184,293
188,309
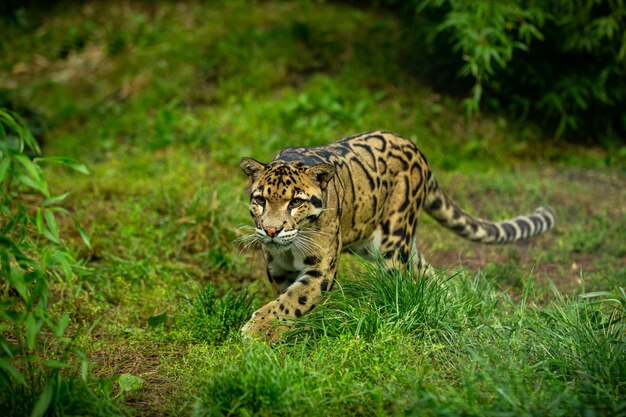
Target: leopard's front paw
265,325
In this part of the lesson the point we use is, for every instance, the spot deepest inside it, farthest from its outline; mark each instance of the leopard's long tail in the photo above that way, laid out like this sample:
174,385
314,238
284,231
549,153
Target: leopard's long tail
449,214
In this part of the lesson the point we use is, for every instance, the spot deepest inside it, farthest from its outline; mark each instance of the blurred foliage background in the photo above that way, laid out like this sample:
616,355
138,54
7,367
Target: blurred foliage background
561,64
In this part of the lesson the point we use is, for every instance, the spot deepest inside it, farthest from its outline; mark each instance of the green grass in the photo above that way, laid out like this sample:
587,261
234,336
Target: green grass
477,353
161,100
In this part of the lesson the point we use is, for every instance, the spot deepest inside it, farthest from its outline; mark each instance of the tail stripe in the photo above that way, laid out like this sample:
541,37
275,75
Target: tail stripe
525,227
509,230
450,215
538,223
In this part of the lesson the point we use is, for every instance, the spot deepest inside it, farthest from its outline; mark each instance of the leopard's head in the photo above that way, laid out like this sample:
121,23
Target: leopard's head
285,198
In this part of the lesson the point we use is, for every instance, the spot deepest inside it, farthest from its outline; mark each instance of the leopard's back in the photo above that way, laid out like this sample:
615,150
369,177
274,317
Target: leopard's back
381,174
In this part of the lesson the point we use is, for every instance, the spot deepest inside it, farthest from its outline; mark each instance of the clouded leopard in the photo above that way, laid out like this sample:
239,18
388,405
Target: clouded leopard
363,194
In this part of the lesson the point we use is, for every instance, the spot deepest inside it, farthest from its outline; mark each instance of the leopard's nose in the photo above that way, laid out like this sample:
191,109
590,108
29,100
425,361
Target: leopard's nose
272,231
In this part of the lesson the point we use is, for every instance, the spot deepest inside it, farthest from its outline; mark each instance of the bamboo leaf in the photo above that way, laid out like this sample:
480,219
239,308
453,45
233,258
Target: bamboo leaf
17,280
68,162
48,235
43,402
53,363
5,165
38,185
32,328
52,225
7,367
54,200
84,364
39,220
83,234
59,330
33,169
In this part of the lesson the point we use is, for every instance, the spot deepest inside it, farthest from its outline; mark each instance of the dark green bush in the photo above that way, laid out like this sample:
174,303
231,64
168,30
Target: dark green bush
560,63
36,356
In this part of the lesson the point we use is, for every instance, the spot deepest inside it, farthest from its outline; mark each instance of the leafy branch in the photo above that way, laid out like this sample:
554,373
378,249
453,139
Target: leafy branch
28,221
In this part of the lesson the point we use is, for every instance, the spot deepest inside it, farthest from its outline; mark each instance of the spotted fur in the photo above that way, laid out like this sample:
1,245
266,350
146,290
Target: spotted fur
364,194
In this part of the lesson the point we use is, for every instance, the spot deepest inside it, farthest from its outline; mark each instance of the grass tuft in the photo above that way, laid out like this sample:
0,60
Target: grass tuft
379,299
214,319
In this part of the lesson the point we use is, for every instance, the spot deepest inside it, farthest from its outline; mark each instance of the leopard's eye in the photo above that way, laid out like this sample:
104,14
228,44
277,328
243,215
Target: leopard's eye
259,200
296,202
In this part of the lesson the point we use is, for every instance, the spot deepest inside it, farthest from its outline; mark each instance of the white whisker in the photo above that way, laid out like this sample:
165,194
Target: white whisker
245,227
246,242
297,246
309,244
308,238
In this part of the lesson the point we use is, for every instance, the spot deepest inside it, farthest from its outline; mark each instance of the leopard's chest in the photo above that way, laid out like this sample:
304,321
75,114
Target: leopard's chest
285,262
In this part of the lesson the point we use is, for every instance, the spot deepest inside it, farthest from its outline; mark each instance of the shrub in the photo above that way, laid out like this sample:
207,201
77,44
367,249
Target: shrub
561,63
33,348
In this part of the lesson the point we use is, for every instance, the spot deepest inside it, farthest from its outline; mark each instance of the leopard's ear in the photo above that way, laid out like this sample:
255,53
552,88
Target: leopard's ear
251,167
321,173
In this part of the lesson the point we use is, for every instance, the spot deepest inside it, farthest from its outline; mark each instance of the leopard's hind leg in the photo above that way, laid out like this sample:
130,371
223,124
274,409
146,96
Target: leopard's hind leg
398,245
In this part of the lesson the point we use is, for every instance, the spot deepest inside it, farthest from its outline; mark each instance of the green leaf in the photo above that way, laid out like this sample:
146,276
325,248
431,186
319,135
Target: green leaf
39,220
5,164
40,186
68,162
32,168
15,122
7,367
595,294
43,402
32,328
63,260
50,236
128,383
52,226
53,200
59,210
84,364
55,364
159,319
83,234
61,326
16,279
